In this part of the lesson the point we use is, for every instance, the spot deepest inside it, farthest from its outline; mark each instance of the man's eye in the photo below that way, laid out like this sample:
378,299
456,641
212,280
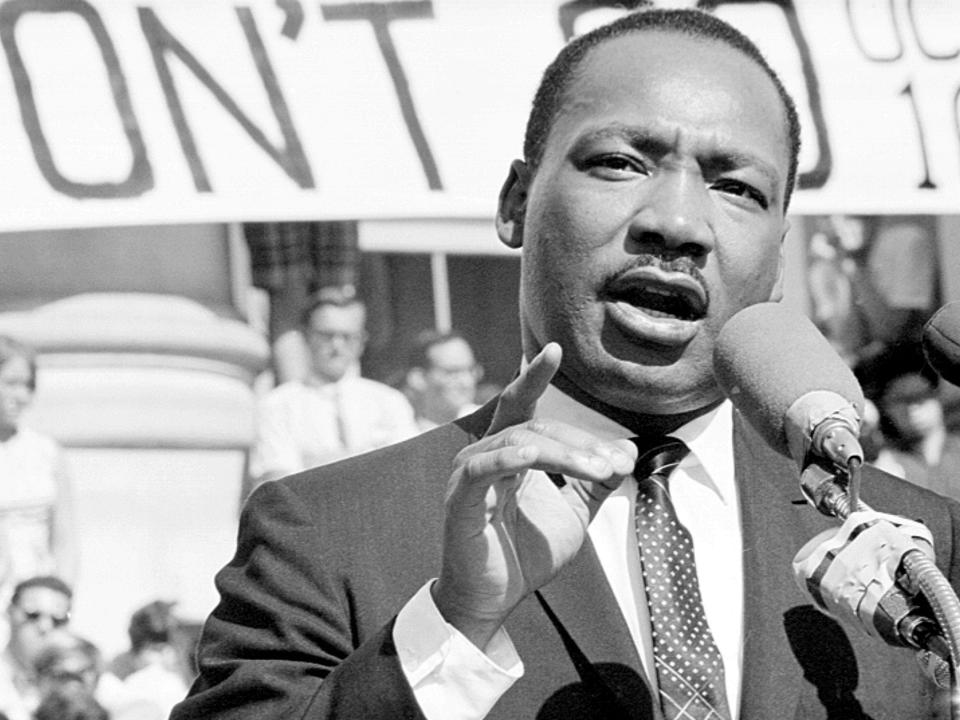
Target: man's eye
616,164
742,189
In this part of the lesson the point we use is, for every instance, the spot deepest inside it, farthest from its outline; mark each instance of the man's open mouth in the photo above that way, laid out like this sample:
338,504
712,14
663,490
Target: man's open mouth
668,295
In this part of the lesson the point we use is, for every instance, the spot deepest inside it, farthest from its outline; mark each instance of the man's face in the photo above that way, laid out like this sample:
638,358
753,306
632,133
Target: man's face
655,214
37,613
66,662
336,337
450,382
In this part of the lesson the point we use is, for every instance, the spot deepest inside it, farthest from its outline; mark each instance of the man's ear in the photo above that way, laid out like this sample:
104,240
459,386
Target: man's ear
513,204
776,293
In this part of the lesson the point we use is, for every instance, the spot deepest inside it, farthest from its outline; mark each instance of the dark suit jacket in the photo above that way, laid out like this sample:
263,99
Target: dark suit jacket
326,558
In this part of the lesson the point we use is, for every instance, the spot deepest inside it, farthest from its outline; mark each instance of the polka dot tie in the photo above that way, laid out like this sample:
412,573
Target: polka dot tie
688,665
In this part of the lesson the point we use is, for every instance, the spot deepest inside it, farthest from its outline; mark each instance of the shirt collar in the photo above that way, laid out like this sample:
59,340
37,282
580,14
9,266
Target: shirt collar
709,437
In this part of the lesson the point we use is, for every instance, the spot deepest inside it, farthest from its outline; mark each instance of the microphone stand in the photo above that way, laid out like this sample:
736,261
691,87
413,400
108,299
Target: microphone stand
834,491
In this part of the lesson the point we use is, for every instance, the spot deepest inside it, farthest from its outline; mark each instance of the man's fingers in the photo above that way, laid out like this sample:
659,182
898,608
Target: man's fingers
562,448
520,449
475,476
519,399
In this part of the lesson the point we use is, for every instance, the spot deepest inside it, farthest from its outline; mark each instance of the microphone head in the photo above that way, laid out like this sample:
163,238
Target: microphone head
941,342
767,357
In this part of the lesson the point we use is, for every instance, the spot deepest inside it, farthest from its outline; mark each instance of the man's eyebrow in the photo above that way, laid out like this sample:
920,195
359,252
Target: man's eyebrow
726,160
717,159
643,140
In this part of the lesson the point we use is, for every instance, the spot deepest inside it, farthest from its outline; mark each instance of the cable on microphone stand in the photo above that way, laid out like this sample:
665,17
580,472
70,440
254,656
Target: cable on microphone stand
834,491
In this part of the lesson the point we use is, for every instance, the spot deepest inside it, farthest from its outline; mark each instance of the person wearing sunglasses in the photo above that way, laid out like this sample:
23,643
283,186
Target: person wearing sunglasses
39,606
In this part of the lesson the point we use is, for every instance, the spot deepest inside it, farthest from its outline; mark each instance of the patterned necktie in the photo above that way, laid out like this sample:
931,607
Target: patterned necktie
688,664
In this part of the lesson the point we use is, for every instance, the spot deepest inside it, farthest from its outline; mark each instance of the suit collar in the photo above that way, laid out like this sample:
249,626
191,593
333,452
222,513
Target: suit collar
586,610
476,423
776,522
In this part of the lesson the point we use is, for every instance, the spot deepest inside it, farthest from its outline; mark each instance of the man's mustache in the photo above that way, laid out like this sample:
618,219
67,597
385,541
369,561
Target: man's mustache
667,261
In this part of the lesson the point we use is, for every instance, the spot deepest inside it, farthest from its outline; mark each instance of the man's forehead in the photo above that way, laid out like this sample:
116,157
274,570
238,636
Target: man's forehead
325,314
451,353
676,71
34,596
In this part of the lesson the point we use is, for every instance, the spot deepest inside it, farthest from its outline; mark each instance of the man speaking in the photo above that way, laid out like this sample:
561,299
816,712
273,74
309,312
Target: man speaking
520,562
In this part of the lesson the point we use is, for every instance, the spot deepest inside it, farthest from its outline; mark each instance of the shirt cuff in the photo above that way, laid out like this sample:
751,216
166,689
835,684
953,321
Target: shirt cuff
451,678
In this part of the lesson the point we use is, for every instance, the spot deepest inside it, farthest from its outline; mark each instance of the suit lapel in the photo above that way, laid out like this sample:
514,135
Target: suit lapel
776,522
587,611
582,600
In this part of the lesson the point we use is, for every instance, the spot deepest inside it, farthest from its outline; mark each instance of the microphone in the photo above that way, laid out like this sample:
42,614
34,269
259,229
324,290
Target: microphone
804,400
941,342
791,385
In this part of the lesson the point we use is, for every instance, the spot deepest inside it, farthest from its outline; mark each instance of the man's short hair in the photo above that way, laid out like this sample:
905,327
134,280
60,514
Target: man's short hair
51,582
11,348
71,701
152,624
426,340
333,295
562,72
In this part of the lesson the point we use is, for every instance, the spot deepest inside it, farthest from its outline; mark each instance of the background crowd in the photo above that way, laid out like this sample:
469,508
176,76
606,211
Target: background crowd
324,411
48,671
317,405
321,411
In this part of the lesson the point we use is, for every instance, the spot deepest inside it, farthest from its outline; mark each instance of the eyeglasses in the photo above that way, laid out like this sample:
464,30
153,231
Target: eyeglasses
34,616
473,371
331,336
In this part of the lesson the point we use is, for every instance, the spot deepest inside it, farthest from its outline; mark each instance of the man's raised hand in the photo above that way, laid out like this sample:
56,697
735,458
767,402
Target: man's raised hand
508,531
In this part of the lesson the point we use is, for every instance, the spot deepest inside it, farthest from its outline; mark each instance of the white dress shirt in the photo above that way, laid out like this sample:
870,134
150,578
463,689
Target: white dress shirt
453,679
304,424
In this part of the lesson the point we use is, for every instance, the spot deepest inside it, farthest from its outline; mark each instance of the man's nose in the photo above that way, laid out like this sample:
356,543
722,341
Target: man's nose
674,213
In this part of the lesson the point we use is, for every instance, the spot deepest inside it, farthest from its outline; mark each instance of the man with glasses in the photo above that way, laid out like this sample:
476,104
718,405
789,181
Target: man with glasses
39,606
442,378
334,412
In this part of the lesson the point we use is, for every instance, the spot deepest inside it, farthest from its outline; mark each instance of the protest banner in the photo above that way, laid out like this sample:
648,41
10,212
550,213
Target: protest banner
123,112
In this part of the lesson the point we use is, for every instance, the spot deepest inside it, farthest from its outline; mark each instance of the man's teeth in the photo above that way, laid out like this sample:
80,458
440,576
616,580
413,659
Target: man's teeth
658,313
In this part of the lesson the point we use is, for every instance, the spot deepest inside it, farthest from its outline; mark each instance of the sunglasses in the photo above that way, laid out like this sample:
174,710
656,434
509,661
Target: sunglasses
56,620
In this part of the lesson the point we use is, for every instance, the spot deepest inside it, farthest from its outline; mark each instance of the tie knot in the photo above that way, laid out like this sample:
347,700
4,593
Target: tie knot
658,458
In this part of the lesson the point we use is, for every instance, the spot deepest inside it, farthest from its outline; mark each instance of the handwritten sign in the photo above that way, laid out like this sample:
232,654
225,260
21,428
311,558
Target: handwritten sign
123,112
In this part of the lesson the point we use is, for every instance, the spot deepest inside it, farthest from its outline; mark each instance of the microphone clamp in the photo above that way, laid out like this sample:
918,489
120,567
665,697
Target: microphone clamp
825,487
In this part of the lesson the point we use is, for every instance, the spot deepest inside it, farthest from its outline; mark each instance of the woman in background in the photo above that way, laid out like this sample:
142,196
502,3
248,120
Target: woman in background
36,506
